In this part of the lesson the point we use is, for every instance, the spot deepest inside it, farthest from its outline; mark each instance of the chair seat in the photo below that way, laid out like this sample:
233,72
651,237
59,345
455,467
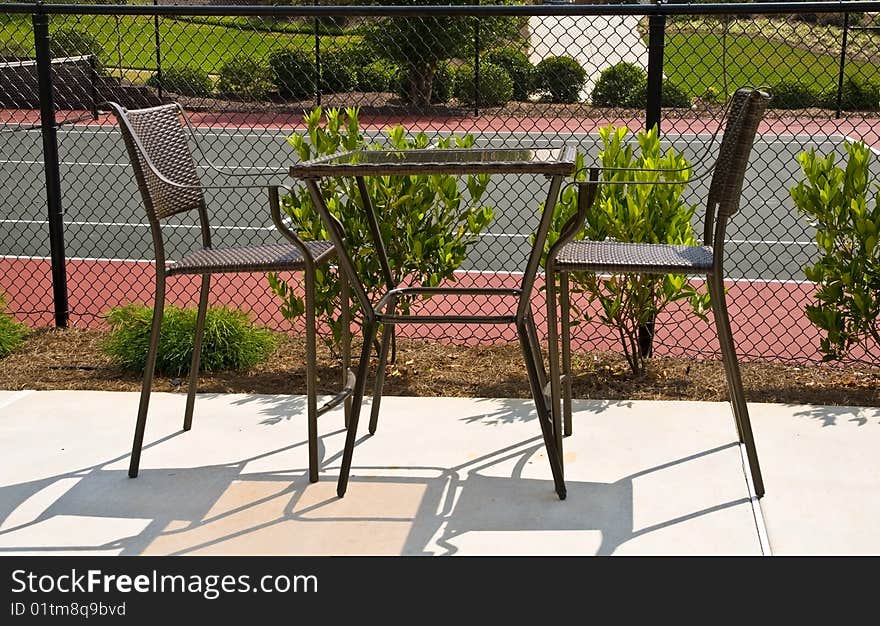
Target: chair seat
266,258
616,257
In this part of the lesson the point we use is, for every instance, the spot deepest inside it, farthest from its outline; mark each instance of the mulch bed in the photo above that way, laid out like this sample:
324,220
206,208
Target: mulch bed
72,359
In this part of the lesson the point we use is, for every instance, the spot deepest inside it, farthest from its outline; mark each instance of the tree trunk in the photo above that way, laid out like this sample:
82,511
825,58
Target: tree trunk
421,78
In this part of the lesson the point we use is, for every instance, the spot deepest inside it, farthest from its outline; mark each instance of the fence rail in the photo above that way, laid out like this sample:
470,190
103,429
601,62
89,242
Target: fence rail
75,241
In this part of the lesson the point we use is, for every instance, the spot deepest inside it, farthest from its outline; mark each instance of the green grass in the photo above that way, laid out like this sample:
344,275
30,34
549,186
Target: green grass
182,43
693,60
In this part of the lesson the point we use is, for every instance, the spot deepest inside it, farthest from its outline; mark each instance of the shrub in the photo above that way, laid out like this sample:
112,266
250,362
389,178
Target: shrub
673,95
442,85
518,67
847,230
858,95
621,85
432,229
338,73
293,72
562,76
231,342
186,81
11,332
636,213
246,78
70,42
793,95
377,76
495,88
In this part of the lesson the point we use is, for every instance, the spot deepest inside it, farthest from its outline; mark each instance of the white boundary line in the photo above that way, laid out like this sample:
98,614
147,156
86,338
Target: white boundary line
18,395
767,281
771,242
760,526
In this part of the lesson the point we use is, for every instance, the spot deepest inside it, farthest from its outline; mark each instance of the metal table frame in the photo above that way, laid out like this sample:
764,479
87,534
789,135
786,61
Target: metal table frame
426,162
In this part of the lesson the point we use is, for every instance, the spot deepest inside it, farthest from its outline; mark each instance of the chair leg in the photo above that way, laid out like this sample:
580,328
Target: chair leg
553,355
532,359
387,337
345,315
147,384
565,305
311,374
197,351
357,401
734,382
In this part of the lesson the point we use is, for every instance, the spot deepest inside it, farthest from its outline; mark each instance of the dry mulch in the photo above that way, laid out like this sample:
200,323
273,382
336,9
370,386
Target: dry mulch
72,359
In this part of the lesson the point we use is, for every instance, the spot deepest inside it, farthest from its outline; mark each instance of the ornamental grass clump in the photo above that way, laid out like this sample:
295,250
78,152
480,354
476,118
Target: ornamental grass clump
12,333
231,341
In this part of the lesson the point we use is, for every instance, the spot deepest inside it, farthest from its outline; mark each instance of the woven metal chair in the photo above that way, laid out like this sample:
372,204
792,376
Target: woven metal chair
166,173
745,111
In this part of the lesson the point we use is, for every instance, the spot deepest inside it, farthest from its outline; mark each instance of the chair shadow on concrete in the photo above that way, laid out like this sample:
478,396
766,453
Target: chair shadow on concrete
229,509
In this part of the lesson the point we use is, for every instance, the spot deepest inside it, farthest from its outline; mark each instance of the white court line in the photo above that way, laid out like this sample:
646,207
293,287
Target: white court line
768,281
771,242
849,139
142,225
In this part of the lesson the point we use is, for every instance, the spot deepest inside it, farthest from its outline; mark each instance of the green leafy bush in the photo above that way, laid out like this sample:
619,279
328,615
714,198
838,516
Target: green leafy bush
621,85
858,94
495,88
231,341
518,67
70,42
791,94
562,76
442,84
638,213
186,81
246,78
11,332
379,75
673,95
338,73
293,72
847,230
433,222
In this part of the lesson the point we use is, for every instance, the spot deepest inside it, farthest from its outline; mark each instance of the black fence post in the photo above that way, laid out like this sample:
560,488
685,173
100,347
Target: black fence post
476,66
317,59
49,130
656,42
158,51
842,64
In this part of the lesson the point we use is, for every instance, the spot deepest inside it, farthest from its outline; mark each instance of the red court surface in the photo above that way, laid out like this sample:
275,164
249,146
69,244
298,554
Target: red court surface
768,318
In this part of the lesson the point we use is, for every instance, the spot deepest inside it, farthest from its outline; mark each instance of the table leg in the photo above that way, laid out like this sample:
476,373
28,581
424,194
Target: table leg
357,401
544,418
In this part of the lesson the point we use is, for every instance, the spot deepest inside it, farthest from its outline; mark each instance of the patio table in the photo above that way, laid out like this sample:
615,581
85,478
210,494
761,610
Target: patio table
555,164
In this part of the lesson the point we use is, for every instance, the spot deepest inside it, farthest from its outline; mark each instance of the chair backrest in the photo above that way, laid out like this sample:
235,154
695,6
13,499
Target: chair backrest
157,146
746,110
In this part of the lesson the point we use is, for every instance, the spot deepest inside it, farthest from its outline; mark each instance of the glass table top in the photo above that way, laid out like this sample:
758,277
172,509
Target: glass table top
556,161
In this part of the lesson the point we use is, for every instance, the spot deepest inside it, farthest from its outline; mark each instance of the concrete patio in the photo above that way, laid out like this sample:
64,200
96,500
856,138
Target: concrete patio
441,476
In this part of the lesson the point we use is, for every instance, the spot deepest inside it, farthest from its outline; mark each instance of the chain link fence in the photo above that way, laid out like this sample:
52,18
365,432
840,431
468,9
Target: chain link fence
525,75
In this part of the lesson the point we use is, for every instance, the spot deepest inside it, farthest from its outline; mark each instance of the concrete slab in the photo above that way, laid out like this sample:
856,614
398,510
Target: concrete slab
441,476
822,473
